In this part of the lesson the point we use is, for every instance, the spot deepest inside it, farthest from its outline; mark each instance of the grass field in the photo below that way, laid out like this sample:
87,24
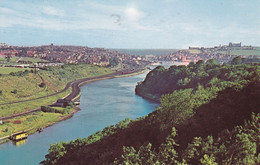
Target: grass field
255,52
27,87
11,109
35,120
56,78
194,51
7,70
13,60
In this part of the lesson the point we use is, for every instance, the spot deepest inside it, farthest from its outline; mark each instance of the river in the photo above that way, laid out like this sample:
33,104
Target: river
103,103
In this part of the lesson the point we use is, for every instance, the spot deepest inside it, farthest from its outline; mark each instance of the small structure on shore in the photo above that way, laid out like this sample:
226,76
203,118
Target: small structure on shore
76,103
61,103
19,136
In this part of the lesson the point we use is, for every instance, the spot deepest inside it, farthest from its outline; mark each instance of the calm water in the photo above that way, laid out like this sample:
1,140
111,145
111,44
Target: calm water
102,103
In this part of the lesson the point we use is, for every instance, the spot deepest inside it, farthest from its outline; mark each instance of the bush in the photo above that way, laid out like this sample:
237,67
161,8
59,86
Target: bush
14,91
12,73
50,109
42,85
17,121
47,109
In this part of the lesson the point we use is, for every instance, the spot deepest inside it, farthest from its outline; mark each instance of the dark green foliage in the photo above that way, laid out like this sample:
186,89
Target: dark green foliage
42,85
206,109
146,155
238,146
14,91
113,61
212,62
236,61
8,57
53,110
162,81
19,73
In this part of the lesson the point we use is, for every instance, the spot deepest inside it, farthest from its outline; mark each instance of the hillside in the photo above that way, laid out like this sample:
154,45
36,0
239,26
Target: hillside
164,81
19,89
201,120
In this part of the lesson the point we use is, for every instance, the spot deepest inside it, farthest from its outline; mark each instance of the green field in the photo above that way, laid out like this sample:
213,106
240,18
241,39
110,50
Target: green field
11,109
35,120
27,86
55,78
194,51
13,60
7,70
242,52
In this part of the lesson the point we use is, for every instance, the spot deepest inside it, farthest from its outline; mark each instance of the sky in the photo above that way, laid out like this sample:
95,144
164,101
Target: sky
130,23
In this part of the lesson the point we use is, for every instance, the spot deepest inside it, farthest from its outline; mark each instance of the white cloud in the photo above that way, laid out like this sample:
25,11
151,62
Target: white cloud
53,11
133,14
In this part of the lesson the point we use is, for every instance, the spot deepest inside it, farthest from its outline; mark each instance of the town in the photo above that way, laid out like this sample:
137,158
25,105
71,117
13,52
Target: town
223,54
58,55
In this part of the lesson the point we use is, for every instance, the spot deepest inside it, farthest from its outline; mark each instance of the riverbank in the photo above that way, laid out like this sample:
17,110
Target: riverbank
75,109
148,96
49,123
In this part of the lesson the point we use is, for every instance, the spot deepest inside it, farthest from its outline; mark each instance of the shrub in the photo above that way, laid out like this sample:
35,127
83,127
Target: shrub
14,91
50,109
42,85
17,121
47,109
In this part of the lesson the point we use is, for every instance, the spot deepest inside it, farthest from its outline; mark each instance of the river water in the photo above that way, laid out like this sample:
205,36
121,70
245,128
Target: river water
103,103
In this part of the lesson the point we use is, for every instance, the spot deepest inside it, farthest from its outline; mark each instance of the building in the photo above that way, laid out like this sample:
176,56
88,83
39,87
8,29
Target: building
234,44
61,103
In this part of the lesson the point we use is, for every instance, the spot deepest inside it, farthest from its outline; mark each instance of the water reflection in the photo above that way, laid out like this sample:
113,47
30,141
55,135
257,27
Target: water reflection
19,143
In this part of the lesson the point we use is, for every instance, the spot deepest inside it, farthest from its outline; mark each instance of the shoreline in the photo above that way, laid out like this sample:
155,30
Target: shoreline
147,97
75,108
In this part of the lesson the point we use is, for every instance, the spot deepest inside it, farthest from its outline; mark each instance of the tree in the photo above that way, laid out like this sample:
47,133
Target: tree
8,57
236,61
167,153
200,62
113,61
212,62
208,160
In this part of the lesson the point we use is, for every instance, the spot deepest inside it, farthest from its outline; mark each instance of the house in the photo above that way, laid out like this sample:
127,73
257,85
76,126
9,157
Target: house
61,103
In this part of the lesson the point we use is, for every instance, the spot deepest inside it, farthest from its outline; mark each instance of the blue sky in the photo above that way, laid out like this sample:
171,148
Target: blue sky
130,23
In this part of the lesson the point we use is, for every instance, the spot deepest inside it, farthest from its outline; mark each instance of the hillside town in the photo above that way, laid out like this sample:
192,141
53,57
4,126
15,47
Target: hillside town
222,53
58,55
74,55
